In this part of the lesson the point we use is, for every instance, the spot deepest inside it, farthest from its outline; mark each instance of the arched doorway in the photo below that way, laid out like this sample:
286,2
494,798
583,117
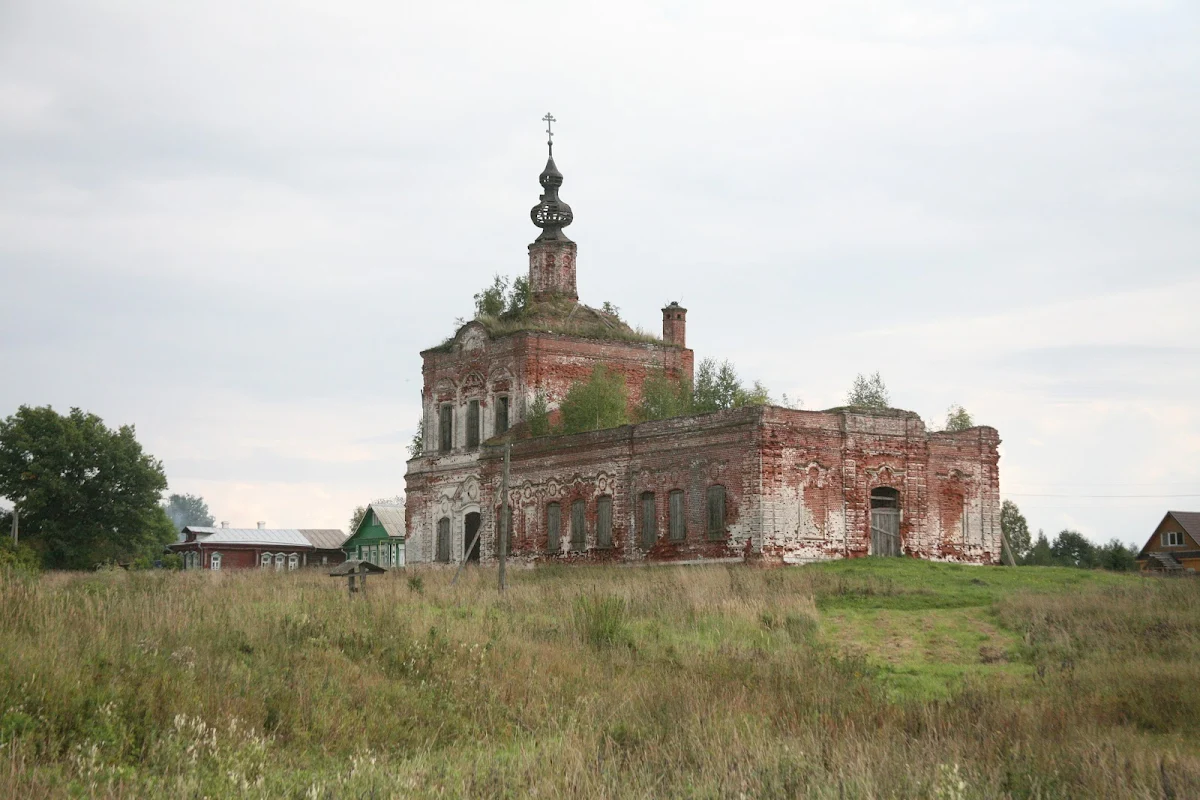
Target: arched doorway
470,528
885,521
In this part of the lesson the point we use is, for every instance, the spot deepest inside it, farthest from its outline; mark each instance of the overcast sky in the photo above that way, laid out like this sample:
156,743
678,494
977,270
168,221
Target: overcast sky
236,224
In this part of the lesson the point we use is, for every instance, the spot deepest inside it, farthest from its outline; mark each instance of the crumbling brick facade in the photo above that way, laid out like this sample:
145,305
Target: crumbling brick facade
763,483
796,488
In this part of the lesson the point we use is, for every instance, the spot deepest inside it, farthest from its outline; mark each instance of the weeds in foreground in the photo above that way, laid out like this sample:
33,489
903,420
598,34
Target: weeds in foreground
598,682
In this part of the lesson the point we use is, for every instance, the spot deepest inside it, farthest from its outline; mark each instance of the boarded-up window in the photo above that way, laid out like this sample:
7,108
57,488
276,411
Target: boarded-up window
443,539
501,414
716,512
446,428
553,526
677,525
578,523
649,520
604,521
473,423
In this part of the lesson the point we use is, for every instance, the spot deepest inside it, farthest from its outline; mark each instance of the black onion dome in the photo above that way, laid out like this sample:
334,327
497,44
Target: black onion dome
551,214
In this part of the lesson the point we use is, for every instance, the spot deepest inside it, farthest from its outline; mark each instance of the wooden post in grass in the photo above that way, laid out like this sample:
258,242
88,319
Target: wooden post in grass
1006,547
362,579
16,514
503,549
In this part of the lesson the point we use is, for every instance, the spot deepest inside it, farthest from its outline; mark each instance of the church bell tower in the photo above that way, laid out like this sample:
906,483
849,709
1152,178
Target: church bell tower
552,254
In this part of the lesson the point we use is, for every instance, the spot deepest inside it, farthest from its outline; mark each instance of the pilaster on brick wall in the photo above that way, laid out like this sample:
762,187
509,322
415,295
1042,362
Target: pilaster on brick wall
552,269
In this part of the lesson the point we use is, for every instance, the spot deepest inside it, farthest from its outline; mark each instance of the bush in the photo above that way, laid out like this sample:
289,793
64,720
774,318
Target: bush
18,557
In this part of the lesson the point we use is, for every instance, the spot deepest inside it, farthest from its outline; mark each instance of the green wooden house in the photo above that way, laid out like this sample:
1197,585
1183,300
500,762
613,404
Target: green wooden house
379,537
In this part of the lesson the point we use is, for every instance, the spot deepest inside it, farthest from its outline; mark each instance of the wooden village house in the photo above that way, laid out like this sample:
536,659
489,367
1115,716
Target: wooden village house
379,537
1174,547
261,547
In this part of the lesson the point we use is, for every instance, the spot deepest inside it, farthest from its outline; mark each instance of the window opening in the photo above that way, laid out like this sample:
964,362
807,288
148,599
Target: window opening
443,539
501,414
604,521
553,525
446,426
649,532
264,560
473,423
676,516
279,561
215,561
716,512
293,561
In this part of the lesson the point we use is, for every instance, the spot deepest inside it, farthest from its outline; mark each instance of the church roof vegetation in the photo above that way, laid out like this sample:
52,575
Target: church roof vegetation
565,317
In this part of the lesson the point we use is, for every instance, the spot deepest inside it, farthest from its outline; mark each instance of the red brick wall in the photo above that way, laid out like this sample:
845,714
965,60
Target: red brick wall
797,487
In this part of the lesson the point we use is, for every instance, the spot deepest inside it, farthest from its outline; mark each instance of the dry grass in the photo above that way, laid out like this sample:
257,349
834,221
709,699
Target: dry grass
594,682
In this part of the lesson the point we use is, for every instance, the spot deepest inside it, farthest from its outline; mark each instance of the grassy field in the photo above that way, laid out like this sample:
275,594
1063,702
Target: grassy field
867,678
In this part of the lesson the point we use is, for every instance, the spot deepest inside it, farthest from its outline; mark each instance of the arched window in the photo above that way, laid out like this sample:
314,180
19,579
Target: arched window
279,561
264,560
214,561
293,561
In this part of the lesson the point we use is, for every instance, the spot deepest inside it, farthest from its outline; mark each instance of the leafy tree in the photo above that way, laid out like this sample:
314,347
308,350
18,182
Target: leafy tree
188,509
87,494
1072,549
491,301
610,309
1039,554
355,518
416,447
957,419
519,299
539,415
663,398
718,387
597,403
1015,529
868,392
1116,556
504,298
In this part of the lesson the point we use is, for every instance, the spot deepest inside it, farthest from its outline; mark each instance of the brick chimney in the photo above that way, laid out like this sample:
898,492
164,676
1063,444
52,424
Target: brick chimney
262,526
675,324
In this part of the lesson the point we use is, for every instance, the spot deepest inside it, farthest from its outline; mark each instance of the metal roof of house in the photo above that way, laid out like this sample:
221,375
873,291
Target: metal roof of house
287,537
324,538
391,518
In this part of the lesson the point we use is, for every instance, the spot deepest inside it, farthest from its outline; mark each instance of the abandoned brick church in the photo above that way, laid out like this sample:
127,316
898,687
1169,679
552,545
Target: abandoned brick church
755,483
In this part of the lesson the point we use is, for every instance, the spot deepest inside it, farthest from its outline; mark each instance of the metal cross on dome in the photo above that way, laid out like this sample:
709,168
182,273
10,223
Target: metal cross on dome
548,119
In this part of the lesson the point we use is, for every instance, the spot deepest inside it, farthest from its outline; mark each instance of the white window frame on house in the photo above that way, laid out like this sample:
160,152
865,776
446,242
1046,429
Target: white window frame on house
1172,539
293,561
214,561
264,561
279,561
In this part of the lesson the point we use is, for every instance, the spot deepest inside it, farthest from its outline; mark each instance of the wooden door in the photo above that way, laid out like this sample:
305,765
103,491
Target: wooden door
885,531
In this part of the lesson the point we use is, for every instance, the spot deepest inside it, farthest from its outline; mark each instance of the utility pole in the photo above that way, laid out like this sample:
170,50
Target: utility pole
16,514
504,514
